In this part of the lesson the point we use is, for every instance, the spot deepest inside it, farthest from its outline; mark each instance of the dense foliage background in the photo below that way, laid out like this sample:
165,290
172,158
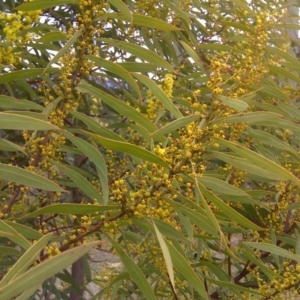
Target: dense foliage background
163,131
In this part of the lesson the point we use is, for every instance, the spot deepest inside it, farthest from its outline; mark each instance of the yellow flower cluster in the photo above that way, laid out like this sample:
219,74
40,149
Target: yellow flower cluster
13,24
52,250
154,105
283,287
148,7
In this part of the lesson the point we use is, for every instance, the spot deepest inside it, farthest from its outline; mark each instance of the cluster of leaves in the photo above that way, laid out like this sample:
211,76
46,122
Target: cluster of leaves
165,132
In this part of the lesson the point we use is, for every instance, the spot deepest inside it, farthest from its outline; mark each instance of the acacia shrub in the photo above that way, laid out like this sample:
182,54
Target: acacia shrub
162,131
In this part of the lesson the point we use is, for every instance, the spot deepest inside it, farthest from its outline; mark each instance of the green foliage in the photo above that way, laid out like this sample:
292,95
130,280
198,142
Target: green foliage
163,132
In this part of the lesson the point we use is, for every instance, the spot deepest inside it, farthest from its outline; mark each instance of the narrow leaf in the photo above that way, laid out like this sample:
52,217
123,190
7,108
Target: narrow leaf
81,183
31,254
166,255
13,103
273,92
138,51
72,209
95,156
153,23
252,117
245,165
221,187
24,74
233,103
40,273
159,94
25,231
128,148
7,231
186,270
43,4
260,161
122,7
115,69
95,126
27,178
192,54
172,126
64,49
120,106
135,272
227,210
6,145
17,122
273,249
269,139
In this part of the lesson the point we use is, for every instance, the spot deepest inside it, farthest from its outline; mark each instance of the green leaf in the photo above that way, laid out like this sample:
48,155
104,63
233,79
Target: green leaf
64,49
27,178
227,210
9,232
215,46
166,255
138,51
17,122
245,165
96,127
172,126
135,273
233,103
200,219
273,92
53,36
260,161
186,270
31,254
166,229
115,69
140,20
192,54
273,249
159,94
290,110
10,251
271,140
153,23
6,145
243,6
138,67
72,209
30,114
43,4
7,102
43,271
221,187
51,106
232,286
210,215
286,25
122,7
120,106
249,254
95,156
25,231
24,74
292,59
252,117
239,26
284,72
281,123
129,149
81,183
